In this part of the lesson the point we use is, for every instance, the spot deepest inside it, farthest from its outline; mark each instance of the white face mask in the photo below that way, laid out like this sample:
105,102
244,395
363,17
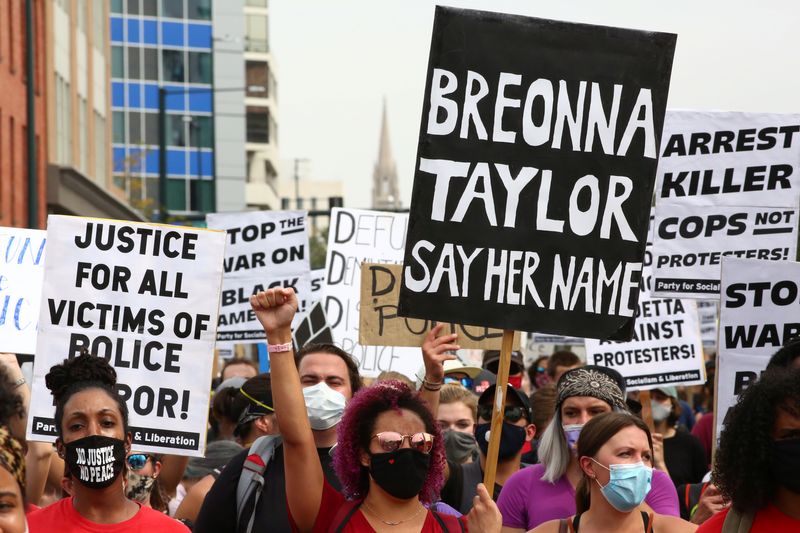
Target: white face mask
660,411
324,405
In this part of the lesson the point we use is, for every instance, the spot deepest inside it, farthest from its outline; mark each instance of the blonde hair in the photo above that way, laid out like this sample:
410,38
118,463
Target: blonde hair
388,375
455,392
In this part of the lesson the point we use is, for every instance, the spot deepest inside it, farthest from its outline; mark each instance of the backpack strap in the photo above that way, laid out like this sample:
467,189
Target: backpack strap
736,522
440,519
251,480
345,513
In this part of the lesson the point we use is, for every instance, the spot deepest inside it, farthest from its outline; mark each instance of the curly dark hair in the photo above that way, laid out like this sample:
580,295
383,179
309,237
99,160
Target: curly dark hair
786,355
78,374
10,401
356,429
743,461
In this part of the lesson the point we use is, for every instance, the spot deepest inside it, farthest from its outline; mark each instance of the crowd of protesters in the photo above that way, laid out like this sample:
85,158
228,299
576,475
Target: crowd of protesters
310,446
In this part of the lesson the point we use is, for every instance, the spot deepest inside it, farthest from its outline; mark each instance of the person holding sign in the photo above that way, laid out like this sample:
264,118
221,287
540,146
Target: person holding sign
389,456
615,452
93,439
546,491
758,460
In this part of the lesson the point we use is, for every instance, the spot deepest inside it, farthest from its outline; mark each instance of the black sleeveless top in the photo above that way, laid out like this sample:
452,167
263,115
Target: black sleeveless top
572,524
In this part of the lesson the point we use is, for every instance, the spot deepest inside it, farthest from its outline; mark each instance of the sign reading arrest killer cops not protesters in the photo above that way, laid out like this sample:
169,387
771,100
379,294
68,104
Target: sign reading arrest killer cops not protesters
758,314
22,254
536,162
264,249
356,236
145,298
728,185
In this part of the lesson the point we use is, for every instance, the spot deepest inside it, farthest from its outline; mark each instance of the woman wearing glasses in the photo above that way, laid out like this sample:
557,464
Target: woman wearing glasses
142,483
389,457
93,439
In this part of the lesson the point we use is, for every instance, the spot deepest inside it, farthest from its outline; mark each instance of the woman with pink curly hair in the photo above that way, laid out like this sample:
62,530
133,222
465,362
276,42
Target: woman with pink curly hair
389,457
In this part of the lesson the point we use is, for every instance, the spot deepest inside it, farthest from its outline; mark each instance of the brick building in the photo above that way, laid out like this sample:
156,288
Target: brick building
13,114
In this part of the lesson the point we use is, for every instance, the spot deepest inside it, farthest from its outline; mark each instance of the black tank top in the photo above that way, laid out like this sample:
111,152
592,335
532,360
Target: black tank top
574,524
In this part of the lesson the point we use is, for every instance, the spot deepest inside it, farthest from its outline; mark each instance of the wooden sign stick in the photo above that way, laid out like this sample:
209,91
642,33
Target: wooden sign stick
647,411
496,431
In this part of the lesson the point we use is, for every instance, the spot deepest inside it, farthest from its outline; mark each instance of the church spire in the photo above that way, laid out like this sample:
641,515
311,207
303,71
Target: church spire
385,193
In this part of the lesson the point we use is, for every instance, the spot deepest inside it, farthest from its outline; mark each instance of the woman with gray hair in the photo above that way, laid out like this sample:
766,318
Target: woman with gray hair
546,491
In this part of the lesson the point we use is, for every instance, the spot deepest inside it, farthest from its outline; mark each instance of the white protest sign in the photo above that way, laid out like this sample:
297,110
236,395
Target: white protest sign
666,348
317,286
357,236
543,338
708,312
728,184
145,297
21,272
265,249
758,304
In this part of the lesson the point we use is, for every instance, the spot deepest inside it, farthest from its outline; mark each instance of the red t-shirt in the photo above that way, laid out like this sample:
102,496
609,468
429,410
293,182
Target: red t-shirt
768,520
333,501
63,518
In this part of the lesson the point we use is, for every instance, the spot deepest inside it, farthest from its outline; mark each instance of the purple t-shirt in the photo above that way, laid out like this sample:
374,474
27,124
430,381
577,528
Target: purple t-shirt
527,500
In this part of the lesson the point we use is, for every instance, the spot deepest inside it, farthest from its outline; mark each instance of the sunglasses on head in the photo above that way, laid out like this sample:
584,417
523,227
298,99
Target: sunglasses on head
467,383
391,441
512,413
136,461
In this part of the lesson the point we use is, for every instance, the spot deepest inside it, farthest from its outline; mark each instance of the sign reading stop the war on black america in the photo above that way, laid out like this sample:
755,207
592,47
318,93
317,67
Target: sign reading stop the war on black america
265,249
758,314
145,298
536,163
728,185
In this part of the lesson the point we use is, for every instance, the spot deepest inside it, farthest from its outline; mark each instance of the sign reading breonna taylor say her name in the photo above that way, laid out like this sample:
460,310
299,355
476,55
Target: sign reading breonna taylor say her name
265,249
22,253
728,185
758,315
145,298
536,162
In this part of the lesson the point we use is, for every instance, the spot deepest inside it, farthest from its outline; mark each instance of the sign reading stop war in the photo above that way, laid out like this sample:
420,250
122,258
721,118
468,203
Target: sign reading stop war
535,171
728,185
356,236
758,314
264,249
380,324
21,271
144,297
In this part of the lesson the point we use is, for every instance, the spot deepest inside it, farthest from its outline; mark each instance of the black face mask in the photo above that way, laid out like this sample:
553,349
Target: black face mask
786,463
400,473
95,461
511,440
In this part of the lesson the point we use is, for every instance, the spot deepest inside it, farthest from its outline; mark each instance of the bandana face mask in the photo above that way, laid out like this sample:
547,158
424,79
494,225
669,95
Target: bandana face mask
139,487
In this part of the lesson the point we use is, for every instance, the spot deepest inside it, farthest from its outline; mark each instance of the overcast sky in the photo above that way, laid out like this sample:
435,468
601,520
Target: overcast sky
337,60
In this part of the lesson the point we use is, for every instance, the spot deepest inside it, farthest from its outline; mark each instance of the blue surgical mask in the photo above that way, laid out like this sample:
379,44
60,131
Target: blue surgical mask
571,433
627,486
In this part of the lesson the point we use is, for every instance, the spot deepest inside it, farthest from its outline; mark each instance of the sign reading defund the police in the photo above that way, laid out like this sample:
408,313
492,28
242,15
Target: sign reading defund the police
265,249
536,164
758,314
21,271
356,236
145,298
728,185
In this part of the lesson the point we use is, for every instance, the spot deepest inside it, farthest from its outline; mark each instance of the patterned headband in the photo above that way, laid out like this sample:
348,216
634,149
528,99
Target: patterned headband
590,382
12,457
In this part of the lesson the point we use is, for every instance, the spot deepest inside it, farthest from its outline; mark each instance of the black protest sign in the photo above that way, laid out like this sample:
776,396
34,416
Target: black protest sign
313,328
536,163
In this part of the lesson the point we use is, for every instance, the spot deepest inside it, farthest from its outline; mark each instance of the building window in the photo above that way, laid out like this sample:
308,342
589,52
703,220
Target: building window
118,125
176,194
150,8
99,151
150,64
175,130
172,61
134,65
98,24
201,195
134,127
199,9
117,62
201,132
257,76
199,67
257,124
172,8
256,33
133,7
151,128
116,6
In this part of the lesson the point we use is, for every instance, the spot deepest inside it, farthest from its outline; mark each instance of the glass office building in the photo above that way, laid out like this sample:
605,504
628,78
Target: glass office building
163,43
